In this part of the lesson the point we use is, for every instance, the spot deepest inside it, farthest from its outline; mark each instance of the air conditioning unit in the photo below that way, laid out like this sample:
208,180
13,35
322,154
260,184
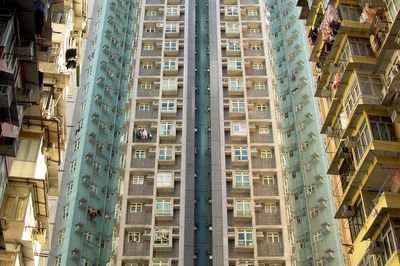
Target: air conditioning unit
330,255
347,211
8,146
395,116
376,247
350,142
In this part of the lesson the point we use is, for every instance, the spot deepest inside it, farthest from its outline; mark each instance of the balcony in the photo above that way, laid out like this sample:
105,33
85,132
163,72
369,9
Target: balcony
157,17
257,92
139,218
152,53
143,163
256,115
133,248
258,163
263,218
145,189
8,146
256,137
155,2
147,114
266,249
150,72
151,93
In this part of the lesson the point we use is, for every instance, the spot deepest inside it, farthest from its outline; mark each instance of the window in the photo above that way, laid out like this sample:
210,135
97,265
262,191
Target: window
235,64
255,47
162,237
232,28
231,11
166,154
171,46
252,12
357,221
314,211
171,28
239,128
97,167
168,84
157,262
310,189
317,237
167,129
258,66
254,30
271,207
61,236
266,154
242,180
87,237
273,237
245,263
233,46
77,144
164,179
88,72
94,189
136,207
259,86
147,65
58,261
145,85
148,47
237,106
245,238
262,107
172,11
168,105
151,13
164,207
264,131
140,154
150,29
134,237
268,180
240,154
360,46
83,106
382,128
243,207
137,180
72,167
170,64
65,211
70,186
236,84
144,107
363,140
99,146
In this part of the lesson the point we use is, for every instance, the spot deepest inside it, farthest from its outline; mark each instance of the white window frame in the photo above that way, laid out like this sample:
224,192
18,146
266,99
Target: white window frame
266,154
171,27
262,107
144,107
140,154
170,45
146,85
243,208
273,237
168,105
264,130
136,207
166,153
235,64
164,179
240,154
164,207
236,84
147,65
271,207
162,237
172,11
238,106
137,180
167,129
268,180
148,47
317,237
134,237
239,128
170,64
169,84
244,238
242,180
259,86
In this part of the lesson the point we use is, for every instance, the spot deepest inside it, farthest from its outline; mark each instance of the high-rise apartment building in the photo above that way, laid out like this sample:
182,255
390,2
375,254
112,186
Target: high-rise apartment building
39,53
174,157
85,233
355,49
314,234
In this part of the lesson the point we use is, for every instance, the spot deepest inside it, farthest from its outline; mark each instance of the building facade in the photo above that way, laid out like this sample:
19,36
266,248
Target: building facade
39,49
355,49
84,233
313,232
203,145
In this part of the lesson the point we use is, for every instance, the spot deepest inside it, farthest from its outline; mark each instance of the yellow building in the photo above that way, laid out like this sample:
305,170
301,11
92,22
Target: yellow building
355,47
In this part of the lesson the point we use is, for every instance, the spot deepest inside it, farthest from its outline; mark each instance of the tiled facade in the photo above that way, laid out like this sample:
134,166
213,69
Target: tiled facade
313,232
